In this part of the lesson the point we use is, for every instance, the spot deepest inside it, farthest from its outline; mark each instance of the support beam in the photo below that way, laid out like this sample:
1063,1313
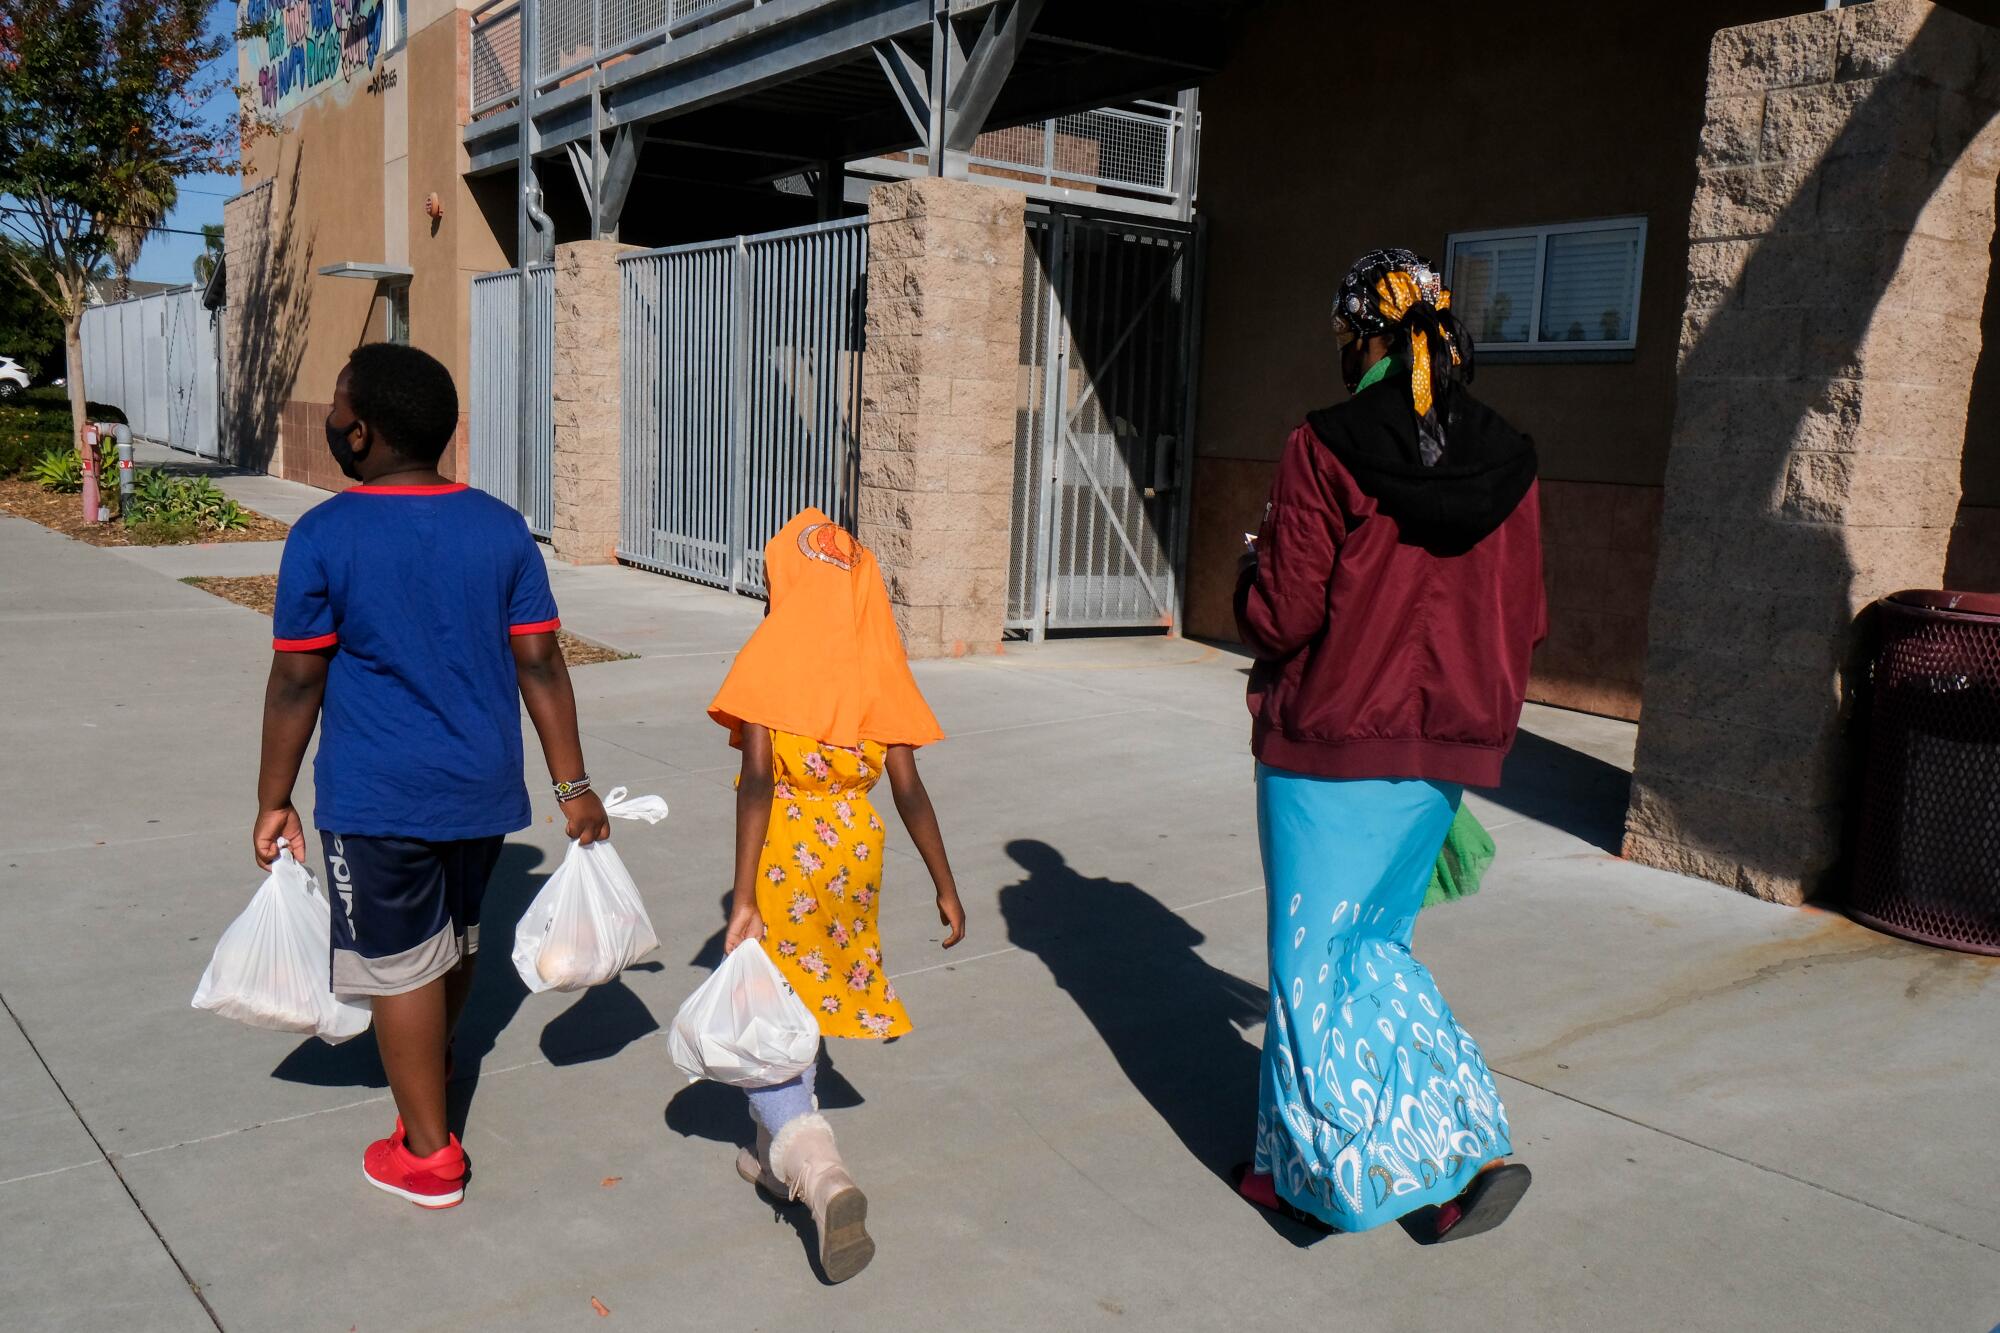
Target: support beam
911,84
621,162
947,64
986,69
830,189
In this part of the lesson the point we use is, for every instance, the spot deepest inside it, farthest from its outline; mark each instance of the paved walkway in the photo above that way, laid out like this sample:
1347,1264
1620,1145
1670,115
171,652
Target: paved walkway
1740,1116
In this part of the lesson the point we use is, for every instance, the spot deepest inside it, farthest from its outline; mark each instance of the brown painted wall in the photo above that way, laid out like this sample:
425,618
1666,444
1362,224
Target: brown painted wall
1319,141
349,175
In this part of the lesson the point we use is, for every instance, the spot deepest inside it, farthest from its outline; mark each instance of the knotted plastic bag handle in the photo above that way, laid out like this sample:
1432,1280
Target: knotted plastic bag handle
652,809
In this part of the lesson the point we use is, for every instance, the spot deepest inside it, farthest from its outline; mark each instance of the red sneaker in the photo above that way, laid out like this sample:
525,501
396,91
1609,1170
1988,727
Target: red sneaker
437,1181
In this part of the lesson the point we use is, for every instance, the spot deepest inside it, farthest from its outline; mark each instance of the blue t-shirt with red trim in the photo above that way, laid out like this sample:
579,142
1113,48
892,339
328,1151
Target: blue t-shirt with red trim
417,591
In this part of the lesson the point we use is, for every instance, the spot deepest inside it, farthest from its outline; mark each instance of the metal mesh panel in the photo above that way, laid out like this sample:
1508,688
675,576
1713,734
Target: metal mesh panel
568,35
1123,147
626,21
741,393
1128,149
1928,860
691,9
496,59
1017,145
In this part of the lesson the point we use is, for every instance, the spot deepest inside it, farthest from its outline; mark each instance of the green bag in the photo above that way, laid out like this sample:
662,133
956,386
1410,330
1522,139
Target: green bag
1467,851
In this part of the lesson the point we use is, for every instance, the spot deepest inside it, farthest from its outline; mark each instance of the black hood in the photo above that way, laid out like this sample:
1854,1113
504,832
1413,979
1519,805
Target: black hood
1487,465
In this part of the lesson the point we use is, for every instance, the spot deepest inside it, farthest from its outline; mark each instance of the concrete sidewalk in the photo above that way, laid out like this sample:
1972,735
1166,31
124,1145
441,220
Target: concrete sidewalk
1739,1116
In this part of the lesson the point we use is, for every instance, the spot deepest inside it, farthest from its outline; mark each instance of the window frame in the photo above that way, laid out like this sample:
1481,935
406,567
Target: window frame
396,314
395,17
1538,348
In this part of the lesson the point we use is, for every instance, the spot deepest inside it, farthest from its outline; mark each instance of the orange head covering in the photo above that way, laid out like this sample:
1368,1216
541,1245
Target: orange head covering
827,663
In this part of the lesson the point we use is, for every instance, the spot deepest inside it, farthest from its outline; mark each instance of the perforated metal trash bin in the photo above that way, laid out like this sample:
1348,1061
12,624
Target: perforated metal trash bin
1927,863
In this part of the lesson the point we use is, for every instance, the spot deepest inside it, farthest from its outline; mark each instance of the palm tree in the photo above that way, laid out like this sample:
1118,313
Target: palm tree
211,255
146,195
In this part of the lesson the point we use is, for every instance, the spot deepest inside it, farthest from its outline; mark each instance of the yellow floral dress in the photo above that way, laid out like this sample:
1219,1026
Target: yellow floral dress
819,885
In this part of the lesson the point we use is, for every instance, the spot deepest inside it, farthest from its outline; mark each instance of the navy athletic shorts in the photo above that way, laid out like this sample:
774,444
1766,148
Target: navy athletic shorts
405,910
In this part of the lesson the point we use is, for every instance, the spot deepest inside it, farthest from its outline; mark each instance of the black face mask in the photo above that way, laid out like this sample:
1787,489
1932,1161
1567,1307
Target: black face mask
343,453
1350,367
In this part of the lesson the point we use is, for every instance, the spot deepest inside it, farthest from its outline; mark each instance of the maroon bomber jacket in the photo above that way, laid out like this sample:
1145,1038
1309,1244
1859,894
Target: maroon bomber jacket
1393,608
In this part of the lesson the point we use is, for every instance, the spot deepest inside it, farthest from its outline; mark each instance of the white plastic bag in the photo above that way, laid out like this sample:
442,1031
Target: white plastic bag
745,1025
588,923
273,967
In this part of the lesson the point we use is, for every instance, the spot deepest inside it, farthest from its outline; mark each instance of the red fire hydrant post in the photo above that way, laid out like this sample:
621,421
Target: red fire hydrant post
90,474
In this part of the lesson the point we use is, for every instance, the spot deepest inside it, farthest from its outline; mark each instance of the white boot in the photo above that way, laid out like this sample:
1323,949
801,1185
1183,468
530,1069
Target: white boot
804,1157
754,1165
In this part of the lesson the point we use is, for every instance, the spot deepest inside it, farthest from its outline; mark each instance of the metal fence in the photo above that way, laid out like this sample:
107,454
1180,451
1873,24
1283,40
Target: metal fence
1109,333
512,454
578,33
740,395
157,358
1132,148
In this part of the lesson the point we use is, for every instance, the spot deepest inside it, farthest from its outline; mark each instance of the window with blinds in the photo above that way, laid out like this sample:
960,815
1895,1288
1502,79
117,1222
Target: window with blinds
1569,287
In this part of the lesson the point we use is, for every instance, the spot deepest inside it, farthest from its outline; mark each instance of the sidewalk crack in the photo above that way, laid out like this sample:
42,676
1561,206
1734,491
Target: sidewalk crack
194,1288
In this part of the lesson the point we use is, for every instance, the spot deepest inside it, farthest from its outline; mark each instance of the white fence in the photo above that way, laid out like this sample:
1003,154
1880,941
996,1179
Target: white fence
156,359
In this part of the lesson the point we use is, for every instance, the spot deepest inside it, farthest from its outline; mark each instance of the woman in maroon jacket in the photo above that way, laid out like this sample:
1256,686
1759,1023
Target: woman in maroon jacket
1393,599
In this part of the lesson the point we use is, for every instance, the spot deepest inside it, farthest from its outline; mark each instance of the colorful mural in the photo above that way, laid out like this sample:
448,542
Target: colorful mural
304,46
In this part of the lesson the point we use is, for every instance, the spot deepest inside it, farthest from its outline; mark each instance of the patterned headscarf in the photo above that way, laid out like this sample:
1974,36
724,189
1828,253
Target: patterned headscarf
1397,291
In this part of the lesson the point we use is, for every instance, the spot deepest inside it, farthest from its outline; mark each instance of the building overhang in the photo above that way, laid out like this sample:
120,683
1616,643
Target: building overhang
390,274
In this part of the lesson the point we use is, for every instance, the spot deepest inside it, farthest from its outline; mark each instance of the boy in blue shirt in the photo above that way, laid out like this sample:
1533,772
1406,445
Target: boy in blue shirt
411,612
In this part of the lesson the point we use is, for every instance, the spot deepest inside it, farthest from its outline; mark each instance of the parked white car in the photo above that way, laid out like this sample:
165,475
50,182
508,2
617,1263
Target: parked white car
13,379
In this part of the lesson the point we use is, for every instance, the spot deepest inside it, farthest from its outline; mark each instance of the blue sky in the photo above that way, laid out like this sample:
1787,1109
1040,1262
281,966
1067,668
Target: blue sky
169,256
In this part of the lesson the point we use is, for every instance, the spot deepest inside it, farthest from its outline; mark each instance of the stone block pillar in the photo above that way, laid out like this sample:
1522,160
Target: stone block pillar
585,531
1838,255
939,392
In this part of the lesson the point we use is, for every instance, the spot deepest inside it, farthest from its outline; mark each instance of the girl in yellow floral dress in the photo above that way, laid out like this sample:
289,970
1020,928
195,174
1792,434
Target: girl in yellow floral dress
822,704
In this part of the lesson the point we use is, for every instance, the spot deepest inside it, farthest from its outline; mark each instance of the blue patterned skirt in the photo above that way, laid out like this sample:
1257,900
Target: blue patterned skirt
1371,1101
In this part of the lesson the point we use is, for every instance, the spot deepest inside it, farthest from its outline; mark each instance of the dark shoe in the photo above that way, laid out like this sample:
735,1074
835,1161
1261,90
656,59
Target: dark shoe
1485,1204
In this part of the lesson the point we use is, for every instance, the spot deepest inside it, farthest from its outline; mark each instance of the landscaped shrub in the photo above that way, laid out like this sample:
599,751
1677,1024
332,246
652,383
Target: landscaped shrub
37,422
60,470
18,451
163,497
161,532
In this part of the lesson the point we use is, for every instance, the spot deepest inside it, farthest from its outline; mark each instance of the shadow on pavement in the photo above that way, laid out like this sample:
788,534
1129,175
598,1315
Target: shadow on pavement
1579,793
1172,1021
603,1021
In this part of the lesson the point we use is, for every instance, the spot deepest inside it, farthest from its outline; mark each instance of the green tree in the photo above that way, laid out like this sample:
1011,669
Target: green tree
29,330
211,255
149,195
97,97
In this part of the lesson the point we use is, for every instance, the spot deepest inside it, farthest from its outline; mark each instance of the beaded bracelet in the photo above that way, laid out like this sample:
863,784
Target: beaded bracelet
566,791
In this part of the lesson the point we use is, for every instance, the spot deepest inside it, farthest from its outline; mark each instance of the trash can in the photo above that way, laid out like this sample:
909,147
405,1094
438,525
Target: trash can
1927,862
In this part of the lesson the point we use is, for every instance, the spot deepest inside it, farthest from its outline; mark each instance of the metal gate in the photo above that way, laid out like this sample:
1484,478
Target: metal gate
192,366
1110,334
156,359
740,395
512,453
